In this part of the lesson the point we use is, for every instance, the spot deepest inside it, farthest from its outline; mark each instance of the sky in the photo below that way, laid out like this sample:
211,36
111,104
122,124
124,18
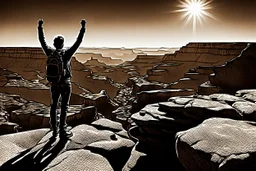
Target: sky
124,23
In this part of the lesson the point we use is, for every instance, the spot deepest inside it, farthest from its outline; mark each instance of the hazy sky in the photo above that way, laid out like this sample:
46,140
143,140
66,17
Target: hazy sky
123,23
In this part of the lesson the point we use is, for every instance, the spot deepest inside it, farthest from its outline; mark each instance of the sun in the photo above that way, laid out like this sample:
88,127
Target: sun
195,11
195,8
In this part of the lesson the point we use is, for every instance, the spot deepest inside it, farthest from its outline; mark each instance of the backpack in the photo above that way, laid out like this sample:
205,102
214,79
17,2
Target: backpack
55,66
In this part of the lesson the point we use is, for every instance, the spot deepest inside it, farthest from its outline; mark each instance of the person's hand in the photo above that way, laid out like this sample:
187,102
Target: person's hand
83,22
40,22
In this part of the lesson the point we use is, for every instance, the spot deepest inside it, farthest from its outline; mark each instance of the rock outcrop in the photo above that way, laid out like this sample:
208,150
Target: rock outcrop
157,124
88,149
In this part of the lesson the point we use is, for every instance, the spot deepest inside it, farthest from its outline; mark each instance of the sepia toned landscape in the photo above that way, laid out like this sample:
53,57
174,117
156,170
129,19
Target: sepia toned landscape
166,85
149,111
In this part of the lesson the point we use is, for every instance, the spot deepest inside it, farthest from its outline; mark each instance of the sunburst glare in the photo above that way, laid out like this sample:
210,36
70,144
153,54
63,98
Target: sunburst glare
195,11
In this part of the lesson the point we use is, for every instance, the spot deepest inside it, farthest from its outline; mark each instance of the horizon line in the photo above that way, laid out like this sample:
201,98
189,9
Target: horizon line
138,47
93,47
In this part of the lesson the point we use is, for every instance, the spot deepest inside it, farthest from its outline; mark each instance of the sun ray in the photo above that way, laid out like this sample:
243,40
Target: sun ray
195,11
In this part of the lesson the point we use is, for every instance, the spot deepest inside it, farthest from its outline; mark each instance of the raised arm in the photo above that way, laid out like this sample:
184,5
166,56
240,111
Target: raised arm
47,50
70,52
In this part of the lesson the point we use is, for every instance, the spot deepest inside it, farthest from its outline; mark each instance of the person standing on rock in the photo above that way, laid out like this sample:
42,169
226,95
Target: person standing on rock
60,85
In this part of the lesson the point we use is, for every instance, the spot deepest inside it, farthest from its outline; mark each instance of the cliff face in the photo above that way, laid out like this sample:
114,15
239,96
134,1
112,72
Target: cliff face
194,55
238,73
213,53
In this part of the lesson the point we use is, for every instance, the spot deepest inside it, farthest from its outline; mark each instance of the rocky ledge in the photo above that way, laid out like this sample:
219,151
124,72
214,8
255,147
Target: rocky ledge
157,124
103,146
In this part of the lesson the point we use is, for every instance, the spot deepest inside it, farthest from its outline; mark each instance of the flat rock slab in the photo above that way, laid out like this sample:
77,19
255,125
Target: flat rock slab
218,144
151,116
200,108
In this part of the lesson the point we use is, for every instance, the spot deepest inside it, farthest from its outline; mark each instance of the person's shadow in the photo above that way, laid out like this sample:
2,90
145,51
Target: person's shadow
36,160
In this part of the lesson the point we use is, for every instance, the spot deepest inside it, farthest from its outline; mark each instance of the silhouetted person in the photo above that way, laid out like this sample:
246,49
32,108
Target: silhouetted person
63,86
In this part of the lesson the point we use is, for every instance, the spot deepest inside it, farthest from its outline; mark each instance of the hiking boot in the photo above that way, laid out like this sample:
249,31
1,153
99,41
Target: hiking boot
65,133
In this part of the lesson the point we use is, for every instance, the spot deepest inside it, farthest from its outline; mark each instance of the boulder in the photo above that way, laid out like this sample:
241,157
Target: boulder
218,144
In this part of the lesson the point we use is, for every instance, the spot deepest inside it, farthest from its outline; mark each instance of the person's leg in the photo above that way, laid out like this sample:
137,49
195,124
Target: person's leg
55,95
65,94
